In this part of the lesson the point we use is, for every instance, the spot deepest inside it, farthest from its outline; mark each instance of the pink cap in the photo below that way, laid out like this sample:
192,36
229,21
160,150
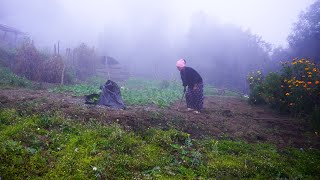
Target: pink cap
181,63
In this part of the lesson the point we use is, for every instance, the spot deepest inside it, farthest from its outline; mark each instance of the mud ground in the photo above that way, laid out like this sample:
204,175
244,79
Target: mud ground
223,117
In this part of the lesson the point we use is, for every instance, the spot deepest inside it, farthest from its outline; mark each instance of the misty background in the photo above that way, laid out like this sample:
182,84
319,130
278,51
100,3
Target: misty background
222,40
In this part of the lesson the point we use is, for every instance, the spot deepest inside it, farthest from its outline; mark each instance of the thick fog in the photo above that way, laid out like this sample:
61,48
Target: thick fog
149,36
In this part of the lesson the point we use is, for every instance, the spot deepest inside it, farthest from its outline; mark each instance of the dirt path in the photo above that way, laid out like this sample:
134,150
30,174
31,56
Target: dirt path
223,117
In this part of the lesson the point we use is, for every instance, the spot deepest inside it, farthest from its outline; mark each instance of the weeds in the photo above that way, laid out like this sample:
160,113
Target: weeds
51,147
9,79
138,91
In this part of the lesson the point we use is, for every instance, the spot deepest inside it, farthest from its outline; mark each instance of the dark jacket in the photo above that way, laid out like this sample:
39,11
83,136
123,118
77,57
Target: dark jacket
190,77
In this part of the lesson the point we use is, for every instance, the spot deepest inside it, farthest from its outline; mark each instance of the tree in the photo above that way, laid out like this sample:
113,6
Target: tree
304,41
85,61
224,53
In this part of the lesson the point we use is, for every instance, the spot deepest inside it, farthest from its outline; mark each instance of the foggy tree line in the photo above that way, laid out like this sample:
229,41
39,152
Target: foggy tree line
304,40
222,53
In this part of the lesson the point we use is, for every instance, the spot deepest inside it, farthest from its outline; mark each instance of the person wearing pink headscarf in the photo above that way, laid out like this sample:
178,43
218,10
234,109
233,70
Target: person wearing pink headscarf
191,79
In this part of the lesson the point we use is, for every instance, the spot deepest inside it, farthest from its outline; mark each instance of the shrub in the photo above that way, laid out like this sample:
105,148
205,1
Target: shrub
256,88
9,79
301,85
315,117
53,70
6,55
28,62
85,61
294,89
273,93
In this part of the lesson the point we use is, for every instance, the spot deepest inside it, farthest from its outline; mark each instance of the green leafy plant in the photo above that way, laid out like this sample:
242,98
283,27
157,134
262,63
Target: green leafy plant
9,79
77,90
43,146
138,91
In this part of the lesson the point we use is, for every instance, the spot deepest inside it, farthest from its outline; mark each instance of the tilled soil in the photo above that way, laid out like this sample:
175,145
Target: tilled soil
223,117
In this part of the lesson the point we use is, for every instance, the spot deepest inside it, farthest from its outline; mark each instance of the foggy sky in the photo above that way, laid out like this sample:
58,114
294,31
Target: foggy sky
75,21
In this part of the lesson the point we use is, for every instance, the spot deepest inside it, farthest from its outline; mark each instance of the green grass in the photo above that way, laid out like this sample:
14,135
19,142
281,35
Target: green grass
76,90
51,147
9,79
139,91
142,92
134,92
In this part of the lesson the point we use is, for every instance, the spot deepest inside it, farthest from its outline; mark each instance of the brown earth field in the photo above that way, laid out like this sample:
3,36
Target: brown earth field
223,117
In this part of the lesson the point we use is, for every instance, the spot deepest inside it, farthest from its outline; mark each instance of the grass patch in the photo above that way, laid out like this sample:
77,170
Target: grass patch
133,91
50,147
139,91
76,90
9,79
142,92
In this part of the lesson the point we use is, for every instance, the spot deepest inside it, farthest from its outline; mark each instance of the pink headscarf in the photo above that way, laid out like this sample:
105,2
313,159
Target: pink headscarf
181,63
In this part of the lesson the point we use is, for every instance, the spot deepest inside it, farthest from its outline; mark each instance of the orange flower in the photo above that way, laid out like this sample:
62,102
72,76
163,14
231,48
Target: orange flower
306,69
314,70
317,82
309,83
305,86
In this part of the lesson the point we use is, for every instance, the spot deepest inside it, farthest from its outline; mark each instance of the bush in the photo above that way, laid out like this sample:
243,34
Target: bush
28,62
294,89
6,56
53,68
85,61
40,67
256,88
273,93
315,117
9,79
301,85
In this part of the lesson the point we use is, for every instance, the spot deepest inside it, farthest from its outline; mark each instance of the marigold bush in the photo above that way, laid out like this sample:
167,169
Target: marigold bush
300,85
294,89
